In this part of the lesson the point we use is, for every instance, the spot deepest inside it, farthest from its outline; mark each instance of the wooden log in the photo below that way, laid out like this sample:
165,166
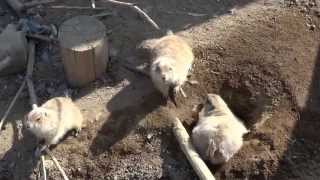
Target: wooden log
194,158
84,49
13,44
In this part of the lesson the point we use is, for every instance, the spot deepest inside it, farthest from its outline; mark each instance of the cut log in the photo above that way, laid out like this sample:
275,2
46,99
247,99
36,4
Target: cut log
13,51
84,49
194,158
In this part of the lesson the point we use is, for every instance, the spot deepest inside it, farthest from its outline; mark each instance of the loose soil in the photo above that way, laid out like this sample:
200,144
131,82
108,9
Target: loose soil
262,57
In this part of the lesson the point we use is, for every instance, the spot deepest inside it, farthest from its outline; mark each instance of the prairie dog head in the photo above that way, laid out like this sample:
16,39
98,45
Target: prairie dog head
164,69
214,105
38,121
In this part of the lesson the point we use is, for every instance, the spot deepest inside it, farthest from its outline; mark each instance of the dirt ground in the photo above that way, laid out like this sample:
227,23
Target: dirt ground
261,56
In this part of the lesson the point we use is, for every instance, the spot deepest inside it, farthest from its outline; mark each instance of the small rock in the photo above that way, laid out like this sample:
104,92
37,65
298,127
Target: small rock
311,27
311,4
149,136
304,10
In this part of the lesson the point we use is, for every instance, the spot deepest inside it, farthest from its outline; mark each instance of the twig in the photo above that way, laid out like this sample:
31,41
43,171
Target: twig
185,13
194,158
6,114
33,97
31,60
57,164
76,7
102,14
93,4
43,166
136,8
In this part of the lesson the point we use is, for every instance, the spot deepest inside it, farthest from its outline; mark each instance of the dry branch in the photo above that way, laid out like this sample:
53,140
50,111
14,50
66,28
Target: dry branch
43,167
76,7
194,158
137,9
12,104
33,99
57,164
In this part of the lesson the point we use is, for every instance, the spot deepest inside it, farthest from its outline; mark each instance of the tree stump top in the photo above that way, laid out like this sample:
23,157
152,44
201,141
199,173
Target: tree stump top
81,33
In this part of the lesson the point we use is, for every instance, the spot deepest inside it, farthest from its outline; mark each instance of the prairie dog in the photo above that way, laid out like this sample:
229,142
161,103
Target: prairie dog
171,61
51,121
218,133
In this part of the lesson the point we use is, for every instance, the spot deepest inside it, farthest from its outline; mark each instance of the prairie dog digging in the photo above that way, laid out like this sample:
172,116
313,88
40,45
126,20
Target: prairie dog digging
218,133
51,121
171,61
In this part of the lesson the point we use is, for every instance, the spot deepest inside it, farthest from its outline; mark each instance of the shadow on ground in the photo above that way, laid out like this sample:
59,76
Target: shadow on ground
301,159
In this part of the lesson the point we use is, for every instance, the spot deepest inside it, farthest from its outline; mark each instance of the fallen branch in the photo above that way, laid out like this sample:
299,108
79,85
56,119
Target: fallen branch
33,97
43,167
194,158
76,7
6,114
137,9
103,14
65,177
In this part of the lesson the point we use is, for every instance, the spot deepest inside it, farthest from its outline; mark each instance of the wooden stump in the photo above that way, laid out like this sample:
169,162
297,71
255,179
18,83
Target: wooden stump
84,49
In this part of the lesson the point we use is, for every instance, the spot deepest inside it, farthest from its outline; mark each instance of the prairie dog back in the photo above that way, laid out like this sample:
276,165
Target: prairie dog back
54,119
171,60
218,133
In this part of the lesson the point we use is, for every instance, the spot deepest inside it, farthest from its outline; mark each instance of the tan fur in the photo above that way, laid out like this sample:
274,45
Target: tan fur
171,61
52,120
218,133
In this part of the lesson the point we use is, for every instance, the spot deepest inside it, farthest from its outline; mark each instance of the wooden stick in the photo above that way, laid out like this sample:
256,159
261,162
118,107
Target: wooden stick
31,61
103,14
93,4
65,177
6,114
194,158
137,9
33,97
43,166
76,7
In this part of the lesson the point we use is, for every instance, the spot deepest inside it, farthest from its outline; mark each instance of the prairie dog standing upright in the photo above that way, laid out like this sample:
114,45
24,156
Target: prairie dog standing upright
171,61
218,133
51,121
